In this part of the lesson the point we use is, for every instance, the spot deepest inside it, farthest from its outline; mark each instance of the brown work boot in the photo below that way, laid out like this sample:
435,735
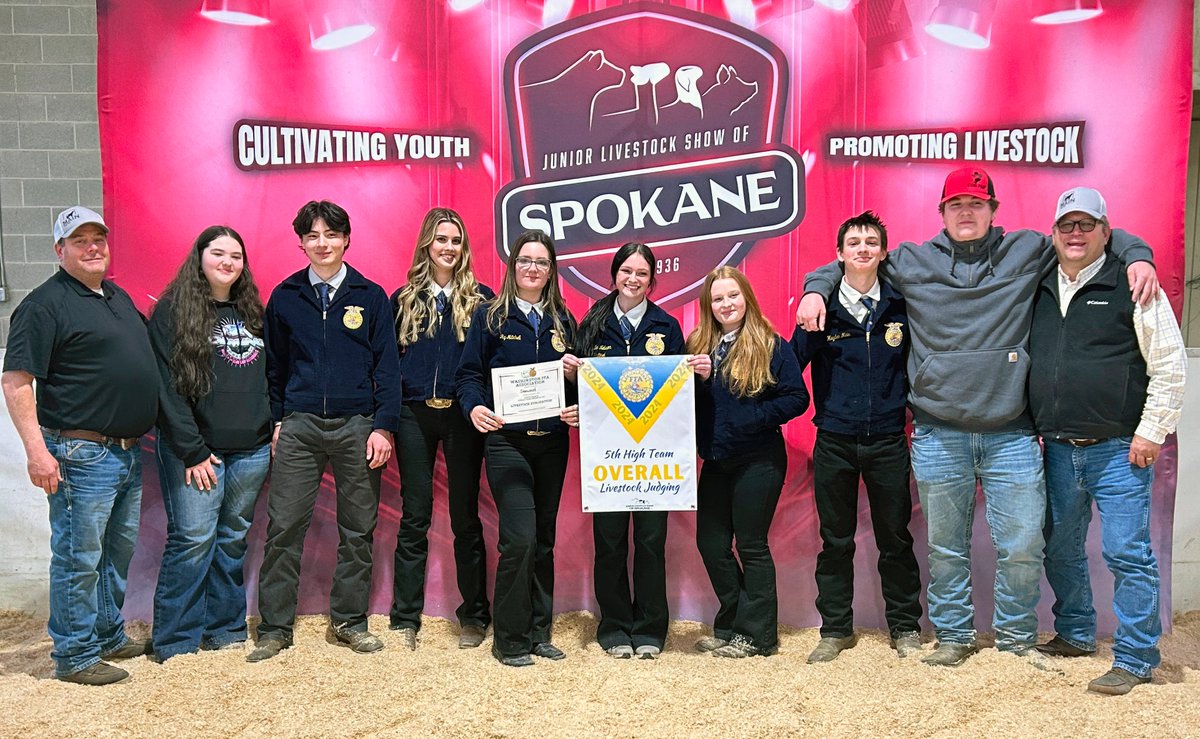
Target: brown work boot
100,673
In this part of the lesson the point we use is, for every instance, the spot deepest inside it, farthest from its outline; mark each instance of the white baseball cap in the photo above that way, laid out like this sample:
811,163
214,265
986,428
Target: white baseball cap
1083,200
72,218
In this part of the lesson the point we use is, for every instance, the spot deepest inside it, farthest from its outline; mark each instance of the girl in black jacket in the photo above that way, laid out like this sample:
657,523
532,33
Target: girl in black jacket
625,323
525,462
433,312
756,386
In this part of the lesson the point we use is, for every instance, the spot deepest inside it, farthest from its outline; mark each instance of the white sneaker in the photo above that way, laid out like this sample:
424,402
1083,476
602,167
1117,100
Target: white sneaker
648,651
620,651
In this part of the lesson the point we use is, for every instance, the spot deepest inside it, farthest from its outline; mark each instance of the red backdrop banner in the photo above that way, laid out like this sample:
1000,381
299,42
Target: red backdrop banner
731,132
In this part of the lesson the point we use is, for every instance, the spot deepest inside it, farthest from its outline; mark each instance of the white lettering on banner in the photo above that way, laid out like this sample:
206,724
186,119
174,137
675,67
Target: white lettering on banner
699,201
277,145
1045,144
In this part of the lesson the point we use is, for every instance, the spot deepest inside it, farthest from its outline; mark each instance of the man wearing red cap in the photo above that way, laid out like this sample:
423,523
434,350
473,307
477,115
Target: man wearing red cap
969,292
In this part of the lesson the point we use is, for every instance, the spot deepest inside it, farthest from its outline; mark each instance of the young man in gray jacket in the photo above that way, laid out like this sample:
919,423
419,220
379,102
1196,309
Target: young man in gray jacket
969,292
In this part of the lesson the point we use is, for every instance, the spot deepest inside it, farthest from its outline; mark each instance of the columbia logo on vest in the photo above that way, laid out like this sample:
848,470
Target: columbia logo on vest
1097,302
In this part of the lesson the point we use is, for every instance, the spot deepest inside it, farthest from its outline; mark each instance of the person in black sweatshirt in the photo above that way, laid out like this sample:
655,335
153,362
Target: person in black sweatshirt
525,462
214,442
432,314
755,387
859,387
333,376
623,324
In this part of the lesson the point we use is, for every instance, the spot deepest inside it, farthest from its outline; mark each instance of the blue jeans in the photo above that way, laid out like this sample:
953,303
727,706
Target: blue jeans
93,528
1074,478
946,464
200,600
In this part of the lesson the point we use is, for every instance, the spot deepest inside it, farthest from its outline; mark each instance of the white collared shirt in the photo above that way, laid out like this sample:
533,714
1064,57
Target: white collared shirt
851,299
1161,344
525,305
334,282
635,314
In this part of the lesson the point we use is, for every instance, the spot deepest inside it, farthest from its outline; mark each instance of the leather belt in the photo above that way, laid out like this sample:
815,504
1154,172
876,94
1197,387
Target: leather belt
439,403
1081,443
96,436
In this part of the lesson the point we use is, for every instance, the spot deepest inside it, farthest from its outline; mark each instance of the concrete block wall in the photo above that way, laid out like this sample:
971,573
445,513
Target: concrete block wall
49,136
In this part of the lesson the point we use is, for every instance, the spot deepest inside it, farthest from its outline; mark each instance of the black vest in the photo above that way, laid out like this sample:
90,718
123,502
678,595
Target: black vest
1087,377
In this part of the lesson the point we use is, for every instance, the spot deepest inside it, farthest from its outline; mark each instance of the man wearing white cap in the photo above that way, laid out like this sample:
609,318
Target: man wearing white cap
969,292
85,343
1105,388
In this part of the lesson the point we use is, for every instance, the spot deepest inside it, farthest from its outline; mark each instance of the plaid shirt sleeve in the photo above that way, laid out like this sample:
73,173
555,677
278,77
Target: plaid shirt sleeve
1166,363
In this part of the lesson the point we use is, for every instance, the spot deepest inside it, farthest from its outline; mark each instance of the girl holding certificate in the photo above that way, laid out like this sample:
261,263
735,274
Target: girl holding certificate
525,461
432,313
756,386
214,442
626,323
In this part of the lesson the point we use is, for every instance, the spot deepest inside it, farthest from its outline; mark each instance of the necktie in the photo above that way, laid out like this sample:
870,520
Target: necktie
719,354
626,329
870,321
441,303
323,291
533,319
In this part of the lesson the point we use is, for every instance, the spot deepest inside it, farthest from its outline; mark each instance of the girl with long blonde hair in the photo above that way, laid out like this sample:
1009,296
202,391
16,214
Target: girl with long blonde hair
755,387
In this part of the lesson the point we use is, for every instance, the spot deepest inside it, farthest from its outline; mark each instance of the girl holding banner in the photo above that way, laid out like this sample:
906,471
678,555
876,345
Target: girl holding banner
526,462
626,323
756,386
214,442
432,313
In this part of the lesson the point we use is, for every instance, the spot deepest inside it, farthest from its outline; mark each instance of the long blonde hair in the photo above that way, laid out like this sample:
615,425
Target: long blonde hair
747,367
553,303
416,311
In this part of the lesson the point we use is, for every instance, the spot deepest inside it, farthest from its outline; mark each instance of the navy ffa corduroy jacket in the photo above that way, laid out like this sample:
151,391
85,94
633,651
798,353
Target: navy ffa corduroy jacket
515,343
655,324
728,425
339,364
859,382
427,367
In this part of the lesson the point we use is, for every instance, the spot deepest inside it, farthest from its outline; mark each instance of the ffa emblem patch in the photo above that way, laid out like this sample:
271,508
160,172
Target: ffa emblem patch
635,384
532,372
655,344
894,334
557,342
353,318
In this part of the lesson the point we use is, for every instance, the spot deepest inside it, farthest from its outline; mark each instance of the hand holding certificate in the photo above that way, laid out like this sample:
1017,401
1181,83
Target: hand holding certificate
529,391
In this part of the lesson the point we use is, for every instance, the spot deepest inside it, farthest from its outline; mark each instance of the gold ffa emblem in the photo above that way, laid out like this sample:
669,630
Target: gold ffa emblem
557,342
353,318
635,384
894,334
532,372
655,344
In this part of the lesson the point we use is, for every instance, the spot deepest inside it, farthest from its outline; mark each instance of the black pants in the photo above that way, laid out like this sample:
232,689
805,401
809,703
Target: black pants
526,476
883,464
306,444
641,618
736,502
421,428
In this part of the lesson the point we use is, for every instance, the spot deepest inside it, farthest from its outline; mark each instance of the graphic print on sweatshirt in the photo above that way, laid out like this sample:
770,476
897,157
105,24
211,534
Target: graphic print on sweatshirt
234,343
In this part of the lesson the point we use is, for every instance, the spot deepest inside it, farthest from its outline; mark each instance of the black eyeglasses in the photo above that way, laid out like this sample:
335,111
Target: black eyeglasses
1087,225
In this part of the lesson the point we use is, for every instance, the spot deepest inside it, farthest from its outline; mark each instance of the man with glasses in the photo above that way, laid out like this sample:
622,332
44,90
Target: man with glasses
333,374
1105,388
85,343
969,293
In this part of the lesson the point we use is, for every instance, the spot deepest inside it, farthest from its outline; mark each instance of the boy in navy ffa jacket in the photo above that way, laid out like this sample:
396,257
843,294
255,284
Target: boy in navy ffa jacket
334,383
859,387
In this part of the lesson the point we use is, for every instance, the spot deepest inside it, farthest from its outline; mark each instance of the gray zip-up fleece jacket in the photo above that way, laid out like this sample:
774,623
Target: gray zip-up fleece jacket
969,309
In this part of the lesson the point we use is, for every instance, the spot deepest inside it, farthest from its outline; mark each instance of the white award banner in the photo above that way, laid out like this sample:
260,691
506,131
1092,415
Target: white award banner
637,434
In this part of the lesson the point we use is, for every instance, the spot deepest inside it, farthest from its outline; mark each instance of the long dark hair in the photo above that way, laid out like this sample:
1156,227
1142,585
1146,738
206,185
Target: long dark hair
193,314
593,321
553,303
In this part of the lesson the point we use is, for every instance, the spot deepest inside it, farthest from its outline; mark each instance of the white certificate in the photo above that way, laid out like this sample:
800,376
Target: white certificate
529,391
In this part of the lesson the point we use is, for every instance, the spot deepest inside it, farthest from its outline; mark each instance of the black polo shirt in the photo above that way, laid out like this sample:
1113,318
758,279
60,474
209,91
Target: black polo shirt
91,356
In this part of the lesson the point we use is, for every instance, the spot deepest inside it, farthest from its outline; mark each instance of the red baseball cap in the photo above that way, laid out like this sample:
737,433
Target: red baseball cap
971,181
